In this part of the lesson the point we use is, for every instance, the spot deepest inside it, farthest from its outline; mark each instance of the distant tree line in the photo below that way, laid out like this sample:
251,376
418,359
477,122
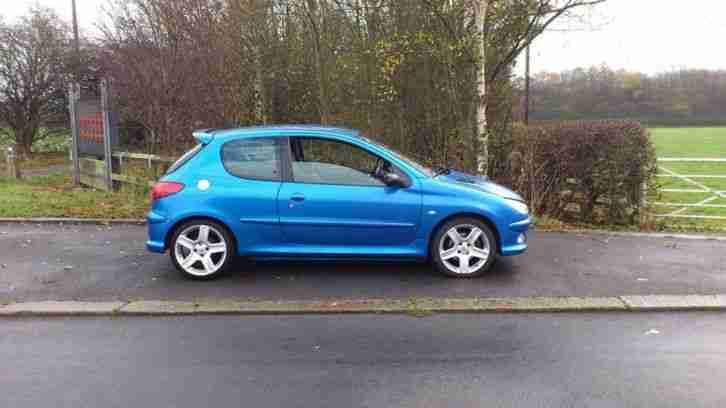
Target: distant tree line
415,74
674,98
407,72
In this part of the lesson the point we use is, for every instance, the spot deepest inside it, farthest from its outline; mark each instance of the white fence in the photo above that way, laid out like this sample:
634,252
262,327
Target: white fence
698,187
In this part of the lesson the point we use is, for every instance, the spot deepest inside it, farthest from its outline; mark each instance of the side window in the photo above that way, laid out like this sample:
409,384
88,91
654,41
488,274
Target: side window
322,161
256,158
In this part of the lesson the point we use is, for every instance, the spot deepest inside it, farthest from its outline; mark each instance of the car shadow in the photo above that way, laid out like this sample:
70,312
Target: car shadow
367,273
402,269
301,280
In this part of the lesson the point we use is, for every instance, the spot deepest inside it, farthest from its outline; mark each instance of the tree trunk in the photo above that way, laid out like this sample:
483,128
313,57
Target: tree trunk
260,96
259,87
24,143
314,14
482,157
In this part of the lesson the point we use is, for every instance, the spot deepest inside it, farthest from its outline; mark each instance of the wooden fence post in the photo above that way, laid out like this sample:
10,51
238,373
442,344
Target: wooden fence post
13,168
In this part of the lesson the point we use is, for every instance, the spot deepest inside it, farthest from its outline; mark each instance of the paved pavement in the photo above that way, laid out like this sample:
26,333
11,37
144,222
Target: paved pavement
582,360
89,262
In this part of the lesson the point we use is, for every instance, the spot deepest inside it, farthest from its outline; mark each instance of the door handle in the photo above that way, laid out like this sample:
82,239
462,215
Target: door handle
298,197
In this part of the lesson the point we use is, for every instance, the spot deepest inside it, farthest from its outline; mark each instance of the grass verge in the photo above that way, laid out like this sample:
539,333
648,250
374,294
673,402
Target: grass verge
55,196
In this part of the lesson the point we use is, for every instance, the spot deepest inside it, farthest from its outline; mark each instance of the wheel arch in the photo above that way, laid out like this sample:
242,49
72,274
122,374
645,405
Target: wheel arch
489,223
173,229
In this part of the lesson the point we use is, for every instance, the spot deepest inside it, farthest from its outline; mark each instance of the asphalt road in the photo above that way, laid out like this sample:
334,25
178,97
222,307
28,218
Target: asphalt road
86,262
608,360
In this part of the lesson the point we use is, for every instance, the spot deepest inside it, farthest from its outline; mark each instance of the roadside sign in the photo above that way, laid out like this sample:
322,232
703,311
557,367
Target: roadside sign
95,134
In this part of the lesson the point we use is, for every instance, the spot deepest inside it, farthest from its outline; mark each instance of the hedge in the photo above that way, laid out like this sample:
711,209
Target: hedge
585,171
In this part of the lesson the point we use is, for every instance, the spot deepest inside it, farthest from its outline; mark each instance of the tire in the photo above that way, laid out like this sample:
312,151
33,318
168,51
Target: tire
476,248
198,257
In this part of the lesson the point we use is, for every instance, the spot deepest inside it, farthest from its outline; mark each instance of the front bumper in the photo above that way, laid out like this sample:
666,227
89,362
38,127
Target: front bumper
155,246
514,240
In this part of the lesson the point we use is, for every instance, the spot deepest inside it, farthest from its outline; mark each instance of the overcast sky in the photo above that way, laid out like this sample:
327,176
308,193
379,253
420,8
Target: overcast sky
640,35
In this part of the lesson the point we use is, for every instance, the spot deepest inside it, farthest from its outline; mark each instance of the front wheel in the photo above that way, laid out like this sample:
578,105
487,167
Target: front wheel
463,248
202,249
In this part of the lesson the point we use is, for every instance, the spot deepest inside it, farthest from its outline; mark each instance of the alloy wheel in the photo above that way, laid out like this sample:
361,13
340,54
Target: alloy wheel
200,250
464,249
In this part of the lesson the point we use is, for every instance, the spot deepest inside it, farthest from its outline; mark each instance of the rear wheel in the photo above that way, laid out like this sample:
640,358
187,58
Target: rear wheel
202,249
463,248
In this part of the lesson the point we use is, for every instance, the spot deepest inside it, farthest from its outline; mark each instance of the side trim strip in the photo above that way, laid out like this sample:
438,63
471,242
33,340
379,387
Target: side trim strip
327,222
263,221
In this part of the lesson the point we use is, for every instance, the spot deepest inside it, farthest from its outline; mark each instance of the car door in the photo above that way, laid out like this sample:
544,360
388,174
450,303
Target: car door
248,192
333,200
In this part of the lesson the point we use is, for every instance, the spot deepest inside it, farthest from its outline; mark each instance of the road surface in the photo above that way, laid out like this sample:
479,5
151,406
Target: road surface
87,262
562,360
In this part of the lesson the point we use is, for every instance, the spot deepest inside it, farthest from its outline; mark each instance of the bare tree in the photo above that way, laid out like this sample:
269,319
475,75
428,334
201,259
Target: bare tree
316,19
507,27
32,76
416,74
480,8
168,70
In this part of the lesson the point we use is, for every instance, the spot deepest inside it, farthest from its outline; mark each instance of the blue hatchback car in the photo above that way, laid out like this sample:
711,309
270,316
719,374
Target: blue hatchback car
317,192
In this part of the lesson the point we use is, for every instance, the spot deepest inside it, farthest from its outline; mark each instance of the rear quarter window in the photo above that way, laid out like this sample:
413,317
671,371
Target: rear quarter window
253,159
184,159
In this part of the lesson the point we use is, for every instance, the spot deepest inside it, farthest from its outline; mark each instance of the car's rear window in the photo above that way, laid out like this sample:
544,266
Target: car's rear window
185,158
254,158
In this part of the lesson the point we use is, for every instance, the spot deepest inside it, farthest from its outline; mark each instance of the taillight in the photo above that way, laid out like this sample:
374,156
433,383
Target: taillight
164,189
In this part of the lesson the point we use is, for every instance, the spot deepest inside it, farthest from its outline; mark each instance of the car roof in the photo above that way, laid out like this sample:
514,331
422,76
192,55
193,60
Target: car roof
301,130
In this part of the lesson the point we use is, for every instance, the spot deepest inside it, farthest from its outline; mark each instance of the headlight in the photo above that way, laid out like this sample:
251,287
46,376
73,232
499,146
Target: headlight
518,206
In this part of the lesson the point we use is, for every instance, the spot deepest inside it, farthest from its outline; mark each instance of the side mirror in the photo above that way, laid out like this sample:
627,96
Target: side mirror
394,180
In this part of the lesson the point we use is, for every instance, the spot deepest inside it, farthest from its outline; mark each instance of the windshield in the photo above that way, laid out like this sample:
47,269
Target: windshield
427,171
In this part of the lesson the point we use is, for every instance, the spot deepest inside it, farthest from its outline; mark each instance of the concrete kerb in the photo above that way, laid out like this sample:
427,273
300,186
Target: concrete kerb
61,308
650,303
674,303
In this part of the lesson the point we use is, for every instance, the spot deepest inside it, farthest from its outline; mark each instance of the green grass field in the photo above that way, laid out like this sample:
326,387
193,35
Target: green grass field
691,143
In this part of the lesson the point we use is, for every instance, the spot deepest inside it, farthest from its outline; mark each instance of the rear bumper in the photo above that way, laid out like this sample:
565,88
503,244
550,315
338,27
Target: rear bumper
157,226
514,240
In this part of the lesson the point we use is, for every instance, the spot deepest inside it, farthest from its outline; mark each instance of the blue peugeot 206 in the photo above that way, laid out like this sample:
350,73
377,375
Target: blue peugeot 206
290,192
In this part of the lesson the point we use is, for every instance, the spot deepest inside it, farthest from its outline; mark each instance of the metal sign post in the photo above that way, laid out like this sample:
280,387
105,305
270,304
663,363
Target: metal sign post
94,136
74,94
106,113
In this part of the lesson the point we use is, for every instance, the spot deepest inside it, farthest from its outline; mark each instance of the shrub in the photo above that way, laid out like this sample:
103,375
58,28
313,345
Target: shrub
584,171
44,143
52,143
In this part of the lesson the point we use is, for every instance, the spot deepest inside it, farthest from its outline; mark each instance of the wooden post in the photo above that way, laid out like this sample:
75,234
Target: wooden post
13,168
73,96
643,203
